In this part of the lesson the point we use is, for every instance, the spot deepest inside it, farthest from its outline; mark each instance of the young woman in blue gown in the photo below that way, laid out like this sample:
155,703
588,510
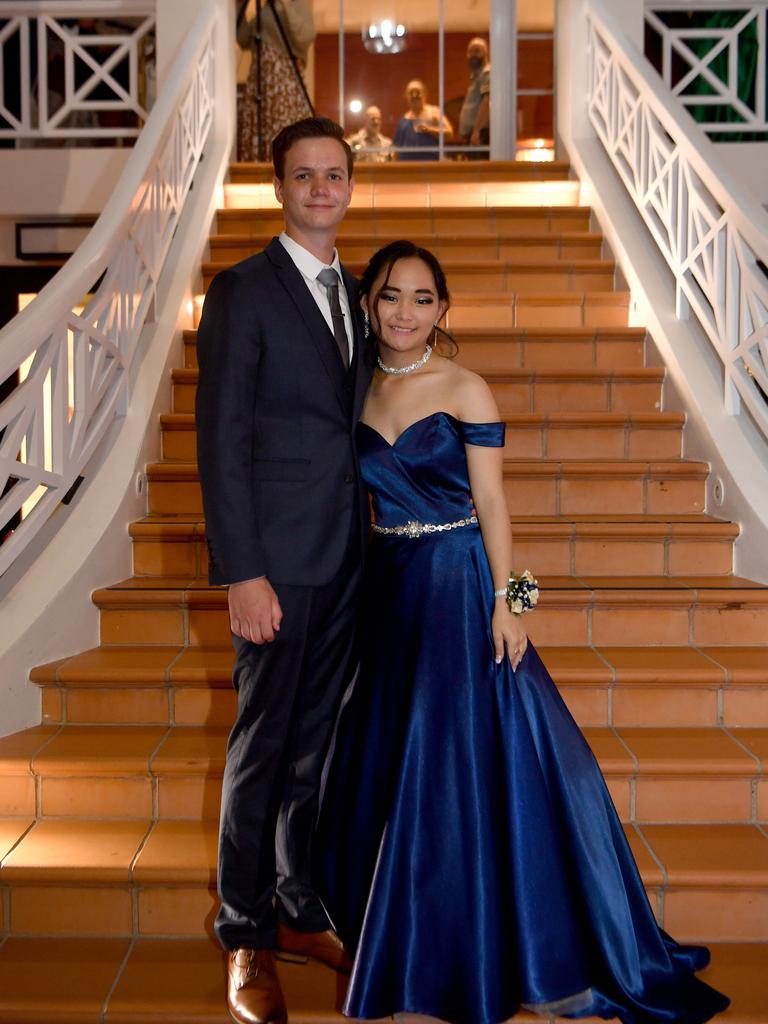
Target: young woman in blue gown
468,852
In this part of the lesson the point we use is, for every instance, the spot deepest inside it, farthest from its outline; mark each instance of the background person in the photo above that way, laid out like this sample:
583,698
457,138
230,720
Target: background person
283,99
369,145
475,116
421,124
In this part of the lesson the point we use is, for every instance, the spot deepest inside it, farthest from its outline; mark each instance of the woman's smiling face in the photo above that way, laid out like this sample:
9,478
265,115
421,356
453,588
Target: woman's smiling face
404,305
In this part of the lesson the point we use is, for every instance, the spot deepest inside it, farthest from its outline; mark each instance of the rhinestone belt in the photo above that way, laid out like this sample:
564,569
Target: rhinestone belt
413,529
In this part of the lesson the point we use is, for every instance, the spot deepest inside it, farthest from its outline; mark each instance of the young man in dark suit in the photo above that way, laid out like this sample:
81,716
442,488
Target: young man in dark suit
283,373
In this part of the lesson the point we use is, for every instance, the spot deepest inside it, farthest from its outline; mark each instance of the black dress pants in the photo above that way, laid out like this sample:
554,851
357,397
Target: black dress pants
288,694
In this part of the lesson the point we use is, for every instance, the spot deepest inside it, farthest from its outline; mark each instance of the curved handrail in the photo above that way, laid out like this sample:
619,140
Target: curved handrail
74,369
713,236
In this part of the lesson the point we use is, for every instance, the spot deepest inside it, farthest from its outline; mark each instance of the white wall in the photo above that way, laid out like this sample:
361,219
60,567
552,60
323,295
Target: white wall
747,162
39,184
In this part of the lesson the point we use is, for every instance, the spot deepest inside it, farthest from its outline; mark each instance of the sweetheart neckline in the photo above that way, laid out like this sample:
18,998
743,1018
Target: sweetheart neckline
423,419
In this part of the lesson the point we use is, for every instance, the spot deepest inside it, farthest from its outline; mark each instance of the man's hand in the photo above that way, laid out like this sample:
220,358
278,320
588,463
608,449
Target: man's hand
254,611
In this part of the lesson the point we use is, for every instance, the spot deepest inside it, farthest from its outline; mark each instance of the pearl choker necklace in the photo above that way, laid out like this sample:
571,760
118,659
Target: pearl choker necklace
400,371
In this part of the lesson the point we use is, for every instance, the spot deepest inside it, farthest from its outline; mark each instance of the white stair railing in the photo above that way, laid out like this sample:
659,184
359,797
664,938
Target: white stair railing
703,66
67,63
690,243
73,369
713,236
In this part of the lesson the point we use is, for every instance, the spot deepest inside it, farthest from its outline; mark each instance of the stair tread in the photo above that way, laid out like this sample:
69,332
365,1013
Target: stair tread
142,593
204,666
186,469
177,527
438,240
190,374
543,210
76,851
144,666
556,419
473,334
451,171
675,521
477,266
90,751
11,831
184,852
17,749
196,591
182,982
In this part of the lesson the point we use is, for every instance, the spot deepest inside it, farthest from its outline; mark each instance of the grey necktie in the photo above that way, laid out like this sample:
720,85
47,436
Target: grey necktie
329,279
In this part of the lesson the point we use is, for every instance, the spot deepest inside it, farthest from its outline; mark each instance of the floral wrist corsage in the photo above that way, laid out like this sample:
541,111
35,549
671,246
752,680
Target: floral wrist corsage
521,592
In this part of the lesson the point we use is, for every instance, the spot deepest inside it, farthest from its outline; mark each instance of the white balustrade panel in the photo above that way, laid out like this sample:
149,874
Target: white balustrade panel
66,65
73,368
717,252
709,51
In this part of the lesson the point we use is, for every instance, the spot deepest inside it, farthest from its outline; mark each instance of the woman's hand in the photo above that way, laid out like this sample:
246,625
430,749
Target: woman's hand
508,630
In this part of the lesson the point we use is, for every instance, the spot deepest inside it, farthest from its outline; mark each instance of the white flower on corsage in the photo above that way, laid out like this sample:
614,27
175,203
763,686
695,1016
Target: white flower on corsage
522,592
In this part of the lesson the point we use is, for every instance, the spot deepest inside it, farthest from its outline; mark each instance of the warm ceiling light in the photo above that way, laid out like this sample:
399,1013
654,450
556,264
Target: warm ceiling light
385,37
355,106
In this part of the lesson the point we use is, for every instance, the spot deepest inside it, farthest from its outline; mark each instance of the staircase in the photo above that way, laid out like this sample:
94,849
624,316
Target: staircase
108,810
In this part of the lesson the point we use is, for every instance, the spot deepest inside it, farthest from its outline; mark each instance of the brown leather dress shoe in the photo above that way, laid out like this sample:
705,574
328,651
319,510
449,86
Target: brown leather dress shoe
298,947
254,995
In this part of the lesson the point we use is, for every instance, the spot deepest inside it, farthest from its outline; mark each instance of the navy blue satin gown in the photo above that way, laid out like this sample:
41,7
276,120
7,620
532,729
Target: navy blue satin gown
467,849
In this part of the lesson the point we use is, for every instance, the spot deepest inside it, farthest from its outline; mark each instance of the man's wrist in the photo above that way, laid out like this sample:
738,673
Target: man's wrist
240,583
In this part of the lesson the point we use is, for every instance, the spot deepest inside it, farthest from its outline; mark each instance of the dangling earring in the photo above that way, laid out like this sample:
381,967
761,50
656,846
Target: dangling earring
434,335
366,325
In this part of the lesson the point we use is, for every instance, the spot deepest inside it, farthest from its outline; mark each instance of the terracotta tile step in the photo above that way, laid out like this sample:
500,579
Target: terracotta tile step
356,246
524,390
656,774
532,347
573,611
182,982
531,309
489,276
420,171
566,435
378,197
548,488
406,220
622,686
166,546
706,882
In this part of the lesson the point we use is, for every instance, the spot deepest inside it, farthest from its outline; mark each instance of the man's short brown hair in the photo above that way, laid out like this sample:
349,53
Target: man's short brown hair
308,128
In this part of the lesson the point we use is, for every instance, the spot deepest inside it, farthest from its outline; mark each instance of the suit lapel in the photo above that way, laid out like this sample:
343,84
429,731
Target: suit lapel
362,365
293,282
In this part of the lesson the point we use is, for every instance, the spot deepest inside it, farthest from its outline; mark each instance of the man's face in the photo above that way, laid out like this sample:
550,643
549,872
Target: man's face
373,120
476,55
316,189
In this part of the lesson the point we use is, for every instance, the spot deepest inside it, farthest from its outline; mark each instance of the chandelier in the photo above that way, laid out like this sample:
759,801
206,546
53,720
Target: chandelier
384,37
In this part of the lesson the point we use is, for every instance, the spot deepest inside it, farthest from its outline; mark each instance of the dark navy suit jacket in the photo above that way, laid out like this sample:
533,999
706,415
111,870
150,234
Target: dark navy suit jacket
276,412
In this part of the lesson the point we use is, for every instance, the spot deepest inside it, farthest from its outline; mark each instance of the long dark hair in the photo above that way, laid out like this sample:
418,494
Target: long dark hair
384,260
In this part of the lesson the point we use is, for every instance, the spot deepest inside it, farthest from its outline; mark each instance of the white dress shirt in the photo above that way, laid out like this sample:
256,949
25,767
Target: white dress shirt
309,267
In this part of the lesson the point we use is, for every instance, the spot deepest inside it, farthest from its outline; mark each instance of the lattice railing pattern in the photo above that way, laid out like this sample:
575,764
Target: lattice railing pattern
716,70
67,75
719,258
72,373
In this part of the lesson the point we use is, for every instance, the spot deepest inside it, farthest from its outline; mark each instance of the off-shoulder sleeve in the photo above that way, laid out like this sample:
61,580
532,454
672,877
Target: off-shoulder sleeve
485,435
